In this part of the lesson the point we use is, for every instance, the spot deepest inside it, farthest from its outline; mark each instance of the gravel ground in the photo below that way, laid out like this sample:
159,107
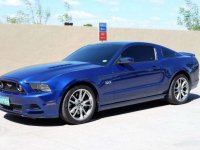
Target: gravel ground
149,126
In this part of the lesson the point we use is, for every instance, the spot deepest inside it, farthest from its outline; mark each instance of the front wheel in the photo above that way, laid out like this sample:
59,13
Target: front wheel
78,105
179,90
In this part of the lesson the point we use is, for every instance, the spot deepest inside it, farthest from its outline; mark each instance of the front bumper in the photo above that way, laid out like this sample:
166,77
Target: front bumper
35,105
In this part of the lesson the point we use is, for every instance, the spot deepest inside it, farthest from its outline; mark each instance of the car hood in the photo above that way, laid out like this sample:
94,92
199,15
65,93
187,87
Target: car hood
47,71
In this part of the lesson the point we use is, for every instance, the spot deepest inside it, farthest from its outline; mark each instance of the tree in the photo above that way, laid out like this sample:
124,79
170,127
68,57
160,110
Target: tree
19,18
189,16
88,25
35,14
65,17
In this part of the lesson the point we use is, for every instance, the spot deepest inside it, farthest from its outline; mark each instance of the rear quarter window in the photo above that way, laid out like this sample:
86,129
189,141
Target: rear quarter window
167,53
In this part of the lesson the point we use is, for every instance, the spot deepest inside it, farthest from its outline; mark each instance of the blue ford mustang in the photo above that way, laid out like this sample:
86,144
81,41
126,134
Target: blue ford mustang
99,77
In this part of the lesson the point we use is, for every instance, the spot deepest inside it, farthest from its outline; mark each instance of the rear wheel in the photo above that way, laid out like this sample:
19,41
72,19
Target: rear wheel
79,105
179,90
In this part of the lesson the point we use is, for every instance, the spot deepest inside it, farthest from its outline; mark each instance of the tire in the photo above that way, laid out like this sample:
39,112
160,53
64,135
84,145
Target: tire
179,90
76,109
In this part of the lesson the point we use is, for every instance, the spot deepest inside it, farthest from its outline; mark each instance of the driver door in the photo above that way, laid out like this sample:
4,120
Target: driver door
139,79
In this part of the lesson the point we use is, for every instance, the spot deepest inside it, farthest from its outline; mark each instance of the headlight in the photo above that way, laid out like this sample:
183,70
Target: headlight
40,87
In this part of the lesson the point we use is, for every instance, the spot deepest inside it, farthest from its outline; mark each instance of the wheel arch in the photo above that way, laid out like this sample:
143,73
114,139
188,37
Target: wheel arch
184,73
86,83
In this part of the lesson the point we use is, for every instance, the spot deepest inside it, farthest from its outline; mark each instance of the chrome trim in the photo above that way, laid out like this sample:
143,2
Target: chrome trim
156,54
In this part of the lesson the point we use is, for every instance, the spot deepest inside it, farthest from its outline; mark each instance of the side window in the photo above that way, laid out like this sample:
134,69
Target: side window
140,53
168,53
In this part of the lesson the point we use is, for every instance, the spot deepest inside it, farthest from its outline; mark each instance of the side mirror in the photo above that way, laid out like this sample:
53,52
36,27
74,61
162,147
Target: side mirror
125,60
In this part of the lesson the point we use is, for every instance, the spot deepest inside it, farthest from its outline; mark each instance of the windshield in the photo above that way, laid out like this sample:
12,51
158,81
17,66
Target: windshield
99,54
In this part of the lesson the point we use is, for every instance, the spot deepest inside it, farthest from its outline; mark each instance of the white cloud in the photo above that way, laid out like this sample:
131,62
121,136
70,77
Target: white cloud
151,23
80,18
118,19
113,4
11,2
73,2
76,14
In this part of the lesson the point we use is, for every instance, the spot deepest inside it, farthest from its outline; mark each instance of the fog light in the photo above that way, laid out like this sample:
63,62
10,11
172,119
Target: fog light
34,107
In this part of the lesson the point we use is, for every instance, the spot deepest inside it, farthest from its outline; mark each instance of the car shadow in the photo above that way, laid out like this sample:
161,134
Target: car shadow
193,97
43,122
97,116
138,107
129,109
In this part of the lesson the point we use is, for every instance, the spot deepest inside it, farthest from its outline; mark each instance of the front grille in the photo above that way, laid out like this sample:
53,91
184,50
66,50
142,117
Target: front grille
10,86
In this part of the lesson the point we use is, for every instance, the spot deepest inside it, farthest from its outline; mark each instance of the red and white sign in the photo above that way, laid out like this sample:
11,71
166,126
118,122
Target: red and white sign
102,36
102,32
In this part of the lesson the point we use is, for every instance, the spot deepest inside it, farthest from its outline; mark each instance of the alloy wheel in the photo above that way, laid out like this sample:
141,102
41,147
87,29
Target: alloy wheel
80,104
181,89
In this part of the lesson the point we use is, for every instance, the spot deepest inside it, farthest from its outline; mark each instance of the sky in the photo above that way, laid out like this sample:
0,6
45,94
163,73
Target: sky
150,14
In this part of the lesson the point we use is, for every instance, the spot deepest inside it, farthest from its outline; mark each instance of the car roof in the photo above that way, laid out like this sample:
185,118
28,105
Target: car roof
124,43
